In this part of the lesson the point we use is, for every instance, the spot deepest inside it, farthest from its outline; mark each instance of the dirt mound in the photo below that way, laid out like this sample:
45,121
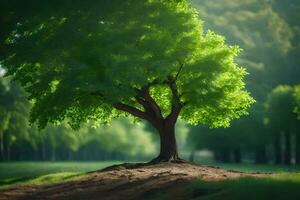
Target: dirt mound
127,181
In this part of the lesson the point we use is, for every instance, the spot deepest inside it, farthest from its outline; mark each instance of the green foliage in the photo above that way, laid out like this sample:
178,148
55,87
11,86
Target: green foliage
297,99
78,64
127,140
16,133
263,34
280,107
14,112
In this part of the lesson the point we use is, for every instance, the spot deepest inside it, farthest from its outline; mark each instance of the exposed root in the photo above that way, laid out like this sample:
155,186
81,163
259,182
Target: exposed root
174,159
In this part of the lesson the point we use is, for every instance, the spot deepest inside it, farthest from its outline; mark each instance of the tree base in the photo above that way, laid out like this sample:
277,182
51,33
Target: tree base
174,159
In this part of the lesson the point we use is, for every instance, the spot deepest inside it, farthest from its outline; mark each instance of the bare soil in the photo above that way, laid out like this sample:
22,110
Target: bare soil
128,182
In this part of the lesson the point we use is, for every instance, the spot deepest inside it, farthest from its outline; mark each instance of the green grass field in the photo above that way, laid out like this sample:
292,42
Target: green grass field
46,172
284,186
249,167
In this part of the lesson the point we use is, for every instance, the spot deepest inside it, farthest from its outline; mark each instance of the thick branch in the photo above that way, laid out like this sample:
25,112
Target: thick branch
143,98
176,103
151,105
132,110
174,90
173,116
142,102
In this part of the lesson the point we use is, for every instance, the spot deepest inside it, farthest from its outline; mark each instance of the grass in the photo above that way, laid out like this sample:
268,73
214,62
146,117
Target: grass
283,186
250,167
38,173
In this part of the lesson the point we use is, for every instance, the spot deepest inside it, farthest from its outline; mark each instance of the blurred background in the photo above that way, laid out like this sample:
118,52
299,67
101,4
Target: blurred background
268,31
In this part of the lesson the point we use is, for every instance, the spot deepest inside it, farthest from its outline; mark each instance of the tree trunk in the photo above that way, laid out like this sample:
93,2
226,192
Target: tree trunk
287,149
53,156
277,149
192,156
237,155
222,155
260,155
168,146
297,148
2,147
43,151
8,153
69,155
217,155
225,155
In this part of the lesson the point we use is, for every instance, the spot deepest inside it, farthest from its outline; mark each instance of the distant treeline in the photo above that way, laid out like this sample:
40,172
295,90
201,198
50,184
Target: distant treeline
271,135
269,33
21,141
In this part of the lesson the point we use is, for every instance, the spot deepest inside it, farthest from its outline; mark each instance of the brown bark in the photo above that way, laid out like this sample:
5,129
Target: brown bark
168,146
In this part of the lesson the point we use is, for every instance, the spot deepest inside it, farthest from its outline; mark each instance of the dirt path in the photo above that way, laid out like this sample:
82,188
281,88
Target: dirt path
125,181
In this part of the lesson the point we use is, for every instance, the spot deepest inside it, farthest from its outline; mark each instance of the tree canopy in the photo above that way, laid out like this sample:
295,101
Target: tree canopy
297,99
93,63
280,107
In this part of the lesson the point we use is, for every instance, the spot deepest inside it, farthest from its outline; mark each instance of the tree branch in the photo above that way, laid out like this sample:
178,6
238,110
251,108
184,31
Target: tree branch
132,110
152,103
143,97
148,102
174,90
179,70
176,103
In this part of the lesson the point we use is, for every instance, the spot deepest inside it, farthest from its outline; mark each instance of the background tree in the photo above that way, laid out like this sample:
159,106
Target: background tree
297,110
269,34
14,113
280,112
128,141
156,67
245,136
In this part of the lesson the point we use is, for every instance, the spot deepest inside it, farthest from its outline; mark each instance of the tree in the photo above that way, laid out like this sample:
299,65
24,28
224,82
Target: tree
297,99
100,62
14,113
297,110
280,111
220,141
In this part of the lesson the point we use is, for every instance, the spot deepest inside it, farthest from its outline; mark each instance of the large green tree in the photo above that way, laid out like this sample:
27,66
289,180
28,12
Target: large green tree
150,59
